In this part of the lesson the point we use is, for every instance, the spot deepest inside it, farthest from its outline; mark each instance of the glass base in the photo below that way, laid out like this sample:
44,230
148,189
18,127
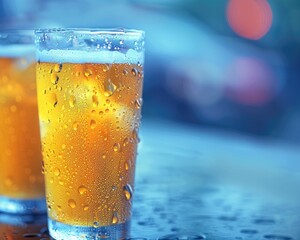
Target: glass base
61,231
22,206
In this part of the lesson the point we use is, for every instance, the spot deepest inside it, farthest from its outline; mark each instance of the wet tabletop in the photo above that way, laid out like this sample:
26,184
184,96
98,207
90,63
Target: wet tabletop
203,184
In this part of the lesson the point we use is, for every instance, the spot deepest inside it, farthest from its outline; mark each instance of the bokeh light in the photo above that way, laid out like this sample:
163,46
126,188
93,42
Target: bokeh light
251,82
250,19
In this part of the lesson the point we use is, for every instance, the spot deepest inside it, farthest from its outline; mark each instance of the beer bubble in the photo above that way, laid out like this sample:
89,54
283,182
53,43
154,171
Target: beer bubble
109,88
138,103
72,101
93,124
72,203
127,191
57,68
88,72
95,100
115,218
117,147
56,172
75,125
82,190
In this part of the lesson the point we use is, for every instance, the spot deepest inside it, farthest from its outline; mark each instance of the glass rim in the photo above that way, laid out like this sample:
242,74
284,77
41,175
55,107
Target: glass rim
93,31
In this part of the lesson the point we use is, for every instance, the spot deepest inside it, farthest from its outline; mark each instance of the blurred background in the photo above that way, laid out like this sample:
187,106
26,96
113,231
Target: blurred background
226,64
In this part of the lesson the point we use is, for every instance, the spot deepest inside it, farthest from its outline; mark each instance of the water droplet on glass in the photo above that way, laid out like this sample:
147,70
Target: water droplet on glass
138,103
135,135
106,67
56,172
128,191
72,101
85,207
181,237
59,207
88,72
75,125
72,203
125,72
63,146
96,225
277,237
82,190
109,88
121,41
117,147
126,165
93,124
115,218
125,142
95,100
249,231
53,99
54,79
57,68
134,72
103,156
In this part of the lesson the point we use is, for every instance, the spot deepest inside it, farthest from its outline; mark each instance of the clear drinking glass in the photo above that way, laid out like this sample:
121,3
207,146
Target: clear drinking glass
90,96
21,179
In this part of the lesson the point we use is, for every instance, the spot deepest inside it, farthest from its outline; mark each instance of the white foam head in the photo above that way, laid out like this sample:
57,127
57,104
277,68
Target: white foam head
101,56
14,51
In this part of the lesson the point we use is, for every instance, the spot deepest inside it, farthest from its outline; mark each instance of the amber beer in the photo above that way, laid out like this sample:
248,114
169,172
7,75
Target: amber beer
21,179
90,109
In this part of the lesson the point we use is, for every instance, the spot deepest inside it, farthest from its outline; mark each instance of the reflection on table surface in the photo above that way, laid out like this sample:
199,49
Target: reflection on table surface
192,184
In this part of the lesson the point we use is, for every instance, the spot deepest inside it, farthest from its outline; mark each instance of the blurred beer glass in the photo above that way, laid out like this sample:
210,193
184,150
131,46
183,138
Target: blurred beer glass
21,179
90,96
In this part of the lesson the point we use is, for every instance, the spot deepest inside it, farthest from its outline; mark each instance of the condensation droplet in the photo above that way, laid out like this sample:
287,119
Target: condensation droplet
128,191
82,190
109,88
56,172
88,72
115,218
125,72
57,68
126,165
95,100
59,207
103,156
63,146
53,99
54,79
125,142
117,147
93,124
138,103
72,101
96,225
135,135
75,125
72,203
134,72
85,207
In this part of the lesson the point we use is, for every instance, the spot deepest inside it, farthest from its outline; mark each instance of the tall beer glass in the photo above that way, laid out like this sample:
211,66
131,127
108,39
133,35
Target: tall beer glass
90,96
21,179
